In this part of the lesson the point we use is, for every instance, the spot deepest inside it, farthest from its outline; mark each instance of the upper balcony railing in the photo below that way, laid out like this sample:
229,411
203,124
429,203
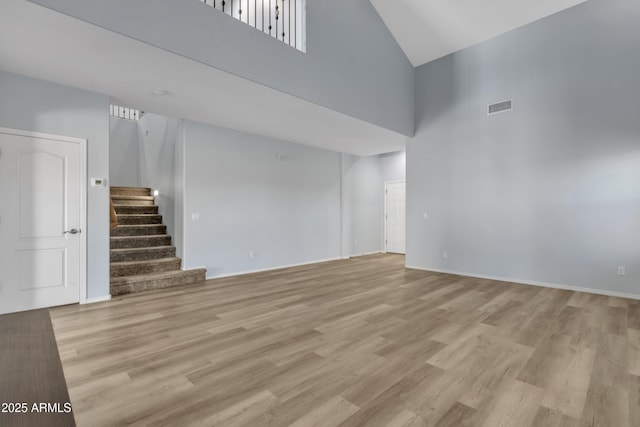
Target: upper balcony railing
281,19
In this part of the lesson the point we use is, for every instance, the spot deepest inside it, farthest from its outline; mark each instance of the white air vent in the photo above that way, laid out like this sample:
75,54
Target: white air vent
500,107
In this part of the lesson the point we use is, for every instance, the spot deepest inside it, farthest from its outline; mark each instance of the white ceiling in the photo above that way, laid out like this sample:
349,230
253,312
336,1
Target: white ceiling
429,29
40,43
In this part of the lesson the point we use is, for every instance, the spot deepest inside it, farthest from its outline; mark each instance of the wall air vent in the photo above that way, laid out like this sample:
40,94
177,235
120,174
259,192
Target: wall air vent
500,107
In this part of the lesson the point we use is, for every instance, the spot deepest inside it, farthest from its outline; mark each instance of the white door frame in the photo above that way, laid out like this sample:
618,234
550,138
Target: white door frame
83,195
386,183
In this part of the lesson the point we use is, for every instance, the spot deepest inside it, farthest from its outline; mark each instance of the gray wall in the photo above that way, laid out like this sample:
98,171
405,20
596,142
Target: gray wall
393,166
40,106
352,65
363,180
123,152
286,210
548,192
157,169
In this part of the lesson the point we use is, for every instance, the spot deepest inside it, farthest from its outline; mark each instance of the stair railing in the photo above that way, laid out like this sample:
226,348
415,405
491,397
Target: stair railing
281,19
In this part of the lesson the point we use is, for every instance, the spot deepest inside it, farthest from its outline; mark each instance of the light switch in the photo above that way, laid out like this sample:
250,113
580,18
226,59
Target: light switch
195,216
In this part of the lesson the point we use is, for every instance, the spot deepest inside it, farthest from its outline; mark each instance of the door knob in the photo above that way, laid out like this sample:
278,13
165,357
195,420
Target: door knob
72,231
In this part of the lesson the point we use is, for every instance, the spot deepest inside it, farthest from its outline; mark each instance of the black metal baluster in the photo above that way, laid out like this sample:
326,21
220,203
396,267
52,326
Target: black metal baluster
283,20
269,17
277,17
223,3
290,21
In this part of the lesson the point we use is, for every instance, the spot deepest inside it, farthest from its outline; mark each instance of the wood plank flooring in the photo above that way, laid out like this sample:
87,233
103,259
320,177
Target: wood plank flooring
360,342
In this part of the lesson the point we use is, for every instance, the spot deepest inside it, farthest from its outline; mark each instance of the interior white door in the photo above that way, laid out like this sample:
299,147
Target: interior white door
40,222
395,217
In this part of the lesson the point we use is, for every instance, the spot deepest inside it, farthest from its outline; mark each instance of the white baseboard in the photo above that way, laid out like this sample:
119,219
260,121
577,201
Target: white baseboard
365,254
533,283
242,273
97,299
193,268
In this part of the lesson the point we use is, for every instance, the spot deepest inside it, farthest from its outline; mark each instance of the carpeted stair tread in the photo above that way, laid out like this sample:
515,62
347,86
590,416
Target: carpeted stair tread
139,219
131,268
132,200
130,197
139,230
138,191
123,242
139,254
146,282
136,209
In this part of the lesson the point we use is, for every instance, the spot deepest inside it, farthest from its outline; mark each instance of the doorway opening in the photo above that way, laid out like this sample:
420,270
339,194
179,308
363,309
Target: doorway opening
395,217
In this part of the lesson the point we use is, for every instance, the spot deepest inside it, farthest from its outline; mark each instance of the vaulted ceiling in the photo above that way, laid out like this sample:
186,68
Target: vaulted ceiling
41,43
429,29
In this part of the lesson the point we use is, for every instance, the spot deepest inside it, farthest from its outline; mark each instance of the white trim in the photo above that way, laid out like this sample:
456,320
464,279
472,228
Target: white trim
41,135
533,283
365,254
82,142
97,299
384,218
84,283
183,207
242,273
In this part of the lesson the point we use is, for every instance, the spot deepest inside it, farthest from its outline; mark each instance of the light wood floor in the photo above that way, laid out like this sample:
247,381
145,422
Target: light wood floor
361,342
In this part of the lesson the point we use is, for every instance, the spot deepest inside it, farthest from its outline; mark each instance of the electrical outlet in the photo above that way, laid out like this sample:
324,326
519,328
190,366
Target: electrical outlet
622,270
356,243
445,255
424,215
252,254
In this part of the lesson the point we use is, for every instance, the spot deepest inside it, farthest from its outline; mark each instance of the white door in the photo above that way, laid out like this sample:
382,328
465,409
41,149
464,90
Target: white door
41,240
395,201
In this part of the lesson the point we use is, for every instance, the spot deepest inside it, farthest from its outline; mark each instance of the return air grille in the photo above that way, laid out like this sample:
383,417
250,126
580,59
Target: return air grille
500,107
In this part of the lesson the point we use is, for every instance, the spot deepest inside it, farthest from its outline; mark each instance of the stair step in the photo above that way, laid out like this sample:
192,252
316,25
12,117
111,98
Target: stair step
136,210
133,200
134,191
146,282
131,268
139,230
139,219
140,241
140,254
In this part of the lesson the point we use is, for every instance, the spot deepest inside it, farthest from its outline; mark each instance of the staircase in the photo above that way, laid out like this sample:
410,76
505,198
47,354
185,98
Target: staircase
142,257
